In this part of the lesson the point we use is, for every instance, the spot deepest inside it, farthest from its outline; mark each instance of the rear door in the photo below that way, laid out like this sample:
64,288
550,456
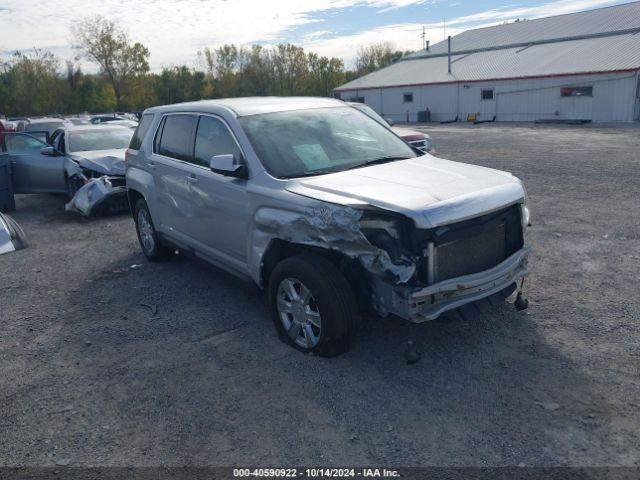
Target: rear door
33,172
171,167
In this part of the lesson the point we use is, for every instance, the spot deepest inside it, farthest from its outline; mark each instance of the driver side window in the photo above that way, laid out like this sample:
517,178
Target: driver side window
214,138
22,144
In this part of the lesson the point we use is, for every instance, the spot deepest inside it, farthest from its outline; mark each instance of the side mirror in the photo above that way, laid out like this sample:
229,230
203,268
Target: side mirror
390,122
226,165
49,151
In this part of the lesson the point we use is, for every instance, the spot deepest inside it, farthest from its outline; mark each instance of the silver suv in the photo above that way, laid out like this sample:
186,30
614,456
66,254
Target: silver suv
327,210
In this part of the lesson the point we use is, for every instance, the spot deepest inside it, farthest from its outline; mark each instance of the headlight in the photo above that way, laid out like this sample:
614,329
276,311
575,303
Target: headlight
524,210
526,216
385,232
372,225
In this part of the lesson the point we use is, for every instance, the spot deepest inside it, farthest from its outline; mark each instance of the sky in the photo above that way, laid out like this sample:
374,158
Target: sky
176,30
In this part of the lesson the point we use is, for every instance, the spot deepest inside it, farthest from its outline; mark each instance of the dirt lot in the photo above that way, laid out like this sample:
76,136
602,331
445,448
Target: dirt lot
106,359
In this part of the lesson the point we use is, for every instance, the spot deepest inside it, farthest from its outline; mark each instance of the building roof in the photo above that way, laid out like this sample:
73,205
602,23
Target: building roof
601,40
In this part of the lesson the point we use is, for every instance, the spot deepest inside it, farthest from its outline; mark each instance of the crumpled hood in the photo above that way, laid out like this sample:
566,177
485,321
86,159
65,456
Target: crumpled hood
431,191
106,162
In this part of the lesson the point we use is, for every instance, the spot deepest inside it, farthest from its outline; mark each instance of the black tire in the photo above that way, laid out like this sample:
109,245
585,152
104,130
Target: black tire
73,185
332,295
156,252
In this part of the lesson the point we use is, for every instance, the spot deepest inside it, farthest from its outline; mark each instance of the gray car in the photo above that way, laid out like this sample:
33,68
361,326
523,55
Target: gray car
46,124
328,211
85,162
12,237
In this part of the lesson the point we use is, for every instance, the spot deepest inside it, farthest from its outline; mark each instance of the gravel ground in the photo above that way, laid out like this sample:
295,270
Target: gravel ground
107,360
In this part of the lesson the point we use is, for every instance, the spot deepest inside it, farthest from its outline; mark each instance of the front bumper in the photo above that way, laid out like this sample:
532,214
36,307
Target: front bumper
427,303
99,197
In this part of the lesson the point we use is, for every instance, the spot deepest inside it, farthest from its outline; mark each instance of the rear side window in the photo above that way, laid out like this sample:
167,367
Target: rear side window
177,137
141,131
214,138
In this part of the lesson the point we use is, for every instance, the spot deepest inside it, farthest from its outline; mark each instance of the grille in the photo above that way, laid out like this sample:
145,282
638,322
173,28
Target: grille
471,255
476,245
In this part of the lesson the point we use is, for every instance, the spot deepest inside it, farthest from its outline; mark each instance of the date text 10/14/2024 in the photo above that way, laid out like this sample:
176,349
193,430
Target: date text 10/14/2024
314,473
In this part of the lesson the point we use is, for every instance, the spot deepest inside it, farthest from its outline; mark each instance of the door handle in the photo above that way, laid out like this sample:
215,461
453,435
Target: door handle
192,179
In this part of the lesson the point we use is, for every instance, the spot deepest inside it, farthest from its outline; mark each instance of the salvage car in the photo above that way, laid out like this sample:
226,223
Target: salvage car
84,162
325,209
420,140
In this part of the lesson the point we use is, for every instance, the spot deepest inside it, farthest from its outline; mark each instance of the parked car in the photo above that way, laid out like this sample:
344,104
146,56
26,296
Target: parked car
420,140
79,120
106,119
5,126
327,210
86,163
46,124
132,124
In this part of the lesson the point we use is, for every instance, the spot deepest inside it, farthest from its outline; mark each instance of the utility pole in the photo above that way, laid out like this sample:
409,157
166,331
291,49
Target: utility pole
424,37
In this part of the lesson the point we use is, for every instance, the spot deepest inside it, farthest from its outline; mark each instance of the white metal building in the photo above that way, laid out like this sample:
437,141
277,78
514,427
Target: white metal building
578,66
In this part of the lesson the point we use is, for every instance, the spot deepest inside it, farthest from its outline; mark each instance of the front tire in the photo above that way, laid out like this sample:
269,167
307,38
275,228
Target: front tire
312,305
73,185
147,235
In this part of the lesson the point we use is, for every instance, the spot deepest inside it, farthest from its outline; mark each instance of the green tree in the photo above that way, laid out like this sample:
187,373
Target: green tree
374,57
32,83
120,60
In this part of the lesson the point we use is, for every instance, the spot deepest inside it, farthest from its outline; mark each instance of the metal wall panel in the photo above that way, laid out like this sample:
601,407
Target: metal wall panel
514,100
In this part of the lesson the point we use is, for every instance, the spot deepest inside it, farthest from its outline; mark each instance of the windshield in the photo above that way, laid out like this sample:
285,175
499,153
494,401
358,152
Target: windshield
323,140
89,140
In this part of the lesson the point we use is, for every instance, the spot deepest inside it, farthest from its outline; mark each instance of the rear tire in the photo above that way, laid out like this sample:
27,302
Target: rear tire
312,305
147,235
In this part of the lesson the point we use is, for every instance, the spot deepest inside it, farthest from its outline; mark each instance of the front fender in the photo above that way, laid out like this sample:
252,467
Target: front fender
71,168
323,225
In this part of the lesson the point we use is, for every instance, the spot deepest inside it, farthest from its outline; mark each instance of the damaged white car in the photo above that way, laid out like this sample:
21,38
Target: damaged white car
84,162
327,210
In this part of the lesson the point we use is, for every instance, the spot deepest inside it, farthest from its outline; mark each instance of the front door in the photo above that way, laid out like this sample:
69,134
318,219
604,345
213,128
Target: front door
220,202
32,171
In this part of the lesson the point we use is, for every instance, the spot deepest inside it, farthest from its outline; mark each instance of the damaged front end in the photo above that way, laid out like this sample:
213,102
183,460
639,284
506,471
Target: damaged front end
414,273
457,264
96,193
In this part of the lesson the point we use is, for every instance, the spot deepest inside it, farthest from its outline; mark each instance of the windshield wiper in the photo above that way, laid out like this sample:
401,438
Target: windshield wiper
312,173
377,161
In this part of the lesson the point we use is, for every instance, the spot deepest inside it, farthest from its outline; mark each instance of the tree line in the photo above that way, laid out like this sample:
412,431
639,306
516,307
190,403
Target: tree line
37,82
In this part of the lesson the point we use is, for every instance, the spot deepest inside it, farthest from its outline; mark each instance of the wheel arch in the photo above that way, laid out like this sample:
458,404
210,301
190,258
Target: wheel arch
279,249
134,196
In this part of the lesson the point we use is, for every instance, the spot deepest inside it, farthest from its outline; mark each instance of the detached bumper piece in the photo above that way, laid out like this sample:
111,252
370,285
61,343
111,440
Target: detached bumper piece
12,236
99,196
427,303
